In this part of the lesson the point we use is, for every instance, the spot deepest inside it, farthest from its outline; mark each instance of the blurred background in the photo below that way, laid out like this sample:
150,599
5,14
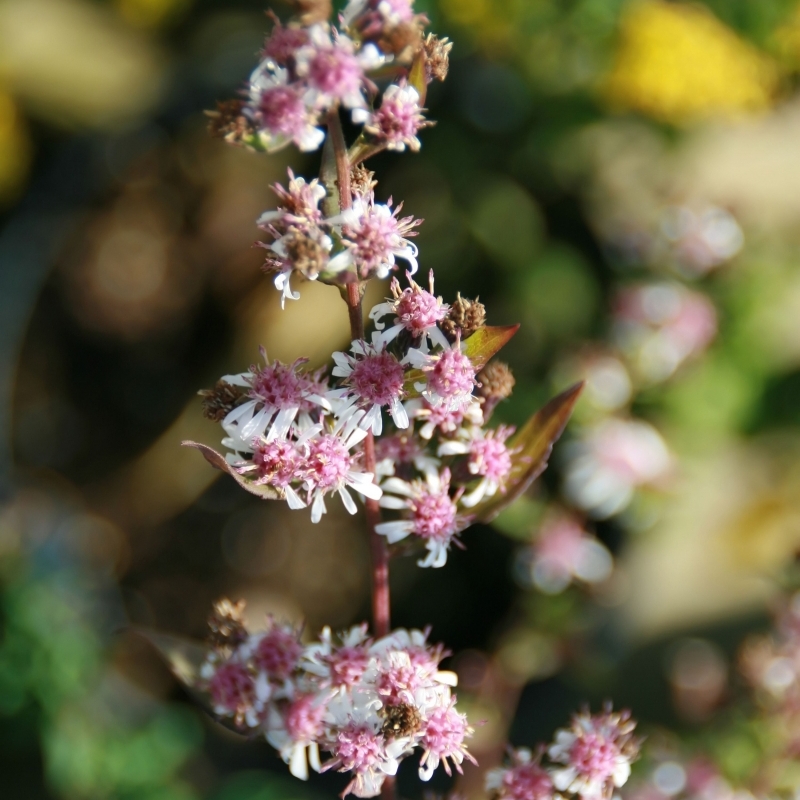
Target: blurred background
619,177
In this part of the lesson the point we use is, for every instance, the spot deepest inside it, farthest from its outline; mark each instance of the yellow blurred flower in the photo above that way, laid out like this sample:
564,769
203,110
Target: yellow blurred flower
15,148
150,13
678,63
787,39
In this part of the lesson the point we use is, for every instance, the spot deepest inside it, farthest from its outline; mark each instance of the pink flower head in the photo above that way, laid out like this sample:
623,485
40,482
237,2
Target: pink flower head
399,678
333,69
361,750
564,551
490,459
348,664
375,236
415,310
398,119
614,458
232,689
443,740
597,752
330,467
450,375
403,451
374,378
304,718
280,111
283,42
432,515
278,393
276,462
525,779
299,207
278,652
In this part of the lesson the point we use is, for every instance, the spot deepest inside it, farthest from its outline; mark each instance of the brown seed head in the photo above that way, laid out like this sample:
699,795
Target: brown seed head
229,123
313,11
221,400
437,57
362,181
496,382
400,721
226,625
404,39
466,316
306,254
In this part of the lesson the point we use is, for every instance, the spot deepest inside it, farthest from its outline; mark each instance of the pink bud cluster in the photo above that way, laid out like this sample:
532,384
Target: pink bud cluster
589,760
366,239
294,432
310,67
367,703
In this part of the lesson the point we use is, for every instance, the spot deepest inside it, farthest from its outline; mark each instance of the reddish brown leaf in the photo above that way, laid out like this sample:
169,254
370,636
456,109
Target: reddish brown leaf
487,342
218,462
534,443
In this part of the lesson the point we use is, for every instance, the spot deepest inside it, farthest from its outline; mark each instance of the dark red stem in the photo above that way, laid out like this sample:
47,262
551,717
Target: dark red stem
377,544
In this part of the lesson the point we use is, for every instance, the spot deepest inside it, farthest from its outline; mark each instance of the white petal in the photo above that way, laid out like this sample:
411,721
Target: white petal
318,508
298,765
348,501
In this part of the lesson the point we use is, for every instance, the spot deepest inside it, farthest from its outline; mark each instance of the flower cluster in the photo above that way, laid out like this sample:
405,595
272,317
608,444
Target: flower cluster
361,242
367,703
291,430
589,761
310,67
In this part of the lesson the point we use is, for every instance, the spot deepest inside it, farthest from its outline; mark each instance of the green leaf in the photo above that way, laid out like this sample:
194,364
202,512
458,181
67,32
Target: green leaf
533,444
218,462
416,76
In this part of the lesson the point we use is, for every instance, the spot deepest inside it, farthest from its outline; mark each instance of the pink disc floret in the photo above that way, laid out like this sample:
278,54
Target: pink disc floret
231,687
304,718
378,378
328,462
278,653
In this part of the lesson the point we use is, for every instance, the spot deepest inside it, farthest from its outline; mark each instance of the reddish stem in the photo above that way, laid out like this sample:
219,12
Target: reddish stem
378,549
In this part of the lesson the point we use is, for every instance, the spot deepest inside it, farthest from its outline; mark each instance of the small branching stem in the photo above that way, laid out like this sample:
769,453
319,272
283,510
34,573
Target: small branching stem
378,549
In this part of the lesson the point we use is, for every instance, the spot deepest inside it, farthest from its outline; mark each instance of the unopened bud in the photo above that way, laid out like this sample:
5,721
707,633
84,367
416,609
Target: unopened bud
437,57
496,383
466,316
226,624
221,400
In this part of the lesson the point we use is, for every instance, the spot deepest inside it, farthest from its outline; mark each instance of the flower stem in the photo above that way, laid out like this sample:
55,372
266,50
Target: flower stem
378,549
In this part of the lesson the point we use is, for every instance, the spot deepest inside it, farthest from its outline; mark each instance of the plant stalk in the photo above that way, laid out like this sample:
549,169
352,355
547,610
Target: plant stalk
378,549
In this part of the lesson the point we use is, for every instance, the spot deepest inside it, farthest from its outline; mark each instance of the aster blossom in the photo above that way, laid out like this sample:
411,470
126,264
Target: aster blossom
397,121
524,779
375,236
594,755
415,310
449,375
431,514
374,379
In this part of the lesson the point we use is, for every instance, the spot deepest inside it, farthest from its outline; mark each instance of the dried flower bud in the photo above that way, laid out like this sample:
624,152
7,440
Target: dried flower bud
229,123
403,40
226,625
306,254
313,11
221,400
437,57
400,721
496,383
362,181
466,316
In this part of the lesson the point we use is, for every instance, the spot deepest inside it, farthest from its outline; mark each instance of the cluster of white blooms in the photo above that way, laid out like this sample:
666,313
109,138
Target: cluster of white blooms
288,429
367,703
589,760
310,67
